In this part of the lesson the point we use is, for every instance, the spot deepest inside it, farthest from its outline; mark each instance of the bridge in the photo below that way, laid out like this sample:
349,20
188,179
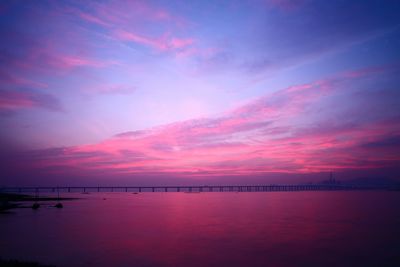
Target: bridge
191,188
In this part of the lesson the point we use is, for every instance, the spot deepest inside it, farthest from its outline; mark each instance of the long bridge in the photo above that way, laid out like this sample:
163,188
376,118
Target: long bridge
192,188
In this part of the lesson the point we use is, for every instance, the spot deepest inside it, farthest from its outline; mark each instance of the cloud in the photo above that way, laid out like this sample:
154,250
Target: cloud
294,130
11,100
7,79
111,89
25,56
389,142
113,14
124,26
91,18
163,43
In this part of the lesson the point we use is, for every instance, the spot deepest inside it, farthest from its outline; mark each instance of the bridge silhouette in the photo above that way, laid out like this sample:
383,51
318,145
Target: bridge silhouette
191,188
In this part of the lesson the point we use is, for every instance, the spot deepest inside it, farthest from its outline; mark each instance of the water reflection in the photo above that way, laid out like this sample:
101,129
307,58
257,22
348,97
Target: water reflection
210,229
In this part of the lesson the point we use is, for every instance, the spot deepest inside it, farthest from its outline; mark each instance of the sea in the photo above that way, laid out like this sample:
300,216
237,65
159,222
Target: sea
277,229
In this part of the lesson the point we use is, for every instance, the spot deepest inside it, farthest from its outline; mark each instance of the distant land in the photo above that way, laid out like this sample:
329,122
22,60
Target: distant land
373,181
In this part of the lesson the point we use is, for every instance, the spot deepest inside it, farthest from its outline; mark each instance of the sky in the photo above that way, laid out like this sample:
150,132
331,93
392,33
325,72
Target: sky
163,92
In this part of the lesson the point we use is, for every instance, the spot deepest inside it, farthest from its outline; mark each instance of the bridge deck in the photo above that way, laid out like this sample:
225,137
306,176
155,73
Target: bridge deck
194,188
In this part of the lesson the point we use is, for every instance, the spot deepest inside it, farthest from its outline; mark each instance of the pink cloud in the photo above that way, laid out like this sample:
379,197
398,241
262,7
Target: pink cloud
44,59
66,62
129,36
113,14
111,89
274,134
119,24
163,43
12,100
15,100
49,61
177,43
91,18
7,79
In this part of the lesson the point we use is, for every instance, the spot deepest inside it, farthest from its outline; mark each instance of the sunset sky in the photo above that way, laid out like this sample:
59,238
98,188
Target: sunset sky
142,92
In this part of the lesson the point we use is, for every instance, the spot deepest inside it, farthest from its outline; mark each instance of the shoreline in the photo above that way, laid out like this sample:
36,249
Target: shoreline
9,201
17,263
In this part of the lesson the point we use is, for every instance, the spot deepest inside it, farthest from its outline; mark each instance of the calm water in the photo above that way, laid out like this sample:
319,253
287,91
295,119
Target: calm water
210,229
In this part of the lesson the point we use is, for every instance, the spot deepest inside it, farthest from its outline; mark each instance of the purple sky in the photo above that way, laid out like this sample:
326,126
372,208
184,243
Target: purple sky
207,91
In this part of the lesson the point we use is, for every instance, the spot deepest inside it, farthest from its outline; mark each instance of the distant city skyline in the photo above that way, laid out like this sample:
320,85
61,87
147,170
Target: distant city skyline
163,92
